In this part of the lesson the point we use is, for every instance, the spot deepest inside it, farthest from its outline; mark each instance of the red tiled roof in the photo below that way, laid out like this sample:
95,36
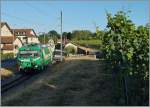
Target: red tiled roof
25,32
7,39
8,47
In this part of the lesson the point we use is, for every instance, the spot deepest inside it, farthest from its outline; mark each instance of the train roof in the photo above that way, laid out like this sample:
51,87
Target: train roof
30,47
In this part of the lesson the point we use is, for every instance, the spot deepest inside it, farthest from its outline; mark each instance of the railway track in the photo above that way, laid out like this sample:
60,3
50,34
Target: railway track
18,80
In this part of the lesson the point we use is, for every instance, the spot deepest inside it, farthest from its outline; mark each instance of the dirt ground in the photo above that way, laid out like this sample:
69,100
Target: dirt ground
73,83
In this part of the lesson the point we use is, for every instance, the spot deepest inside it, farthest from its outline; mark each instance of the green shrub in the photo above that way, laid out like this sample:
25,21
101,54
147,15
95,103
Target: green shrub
7,56
70,50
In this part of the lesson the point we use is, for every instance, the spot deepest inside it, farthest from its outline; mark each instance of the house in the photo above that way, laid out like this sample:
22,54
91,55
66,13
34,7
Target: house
85,50
80,49
26,35
70,45
64,41
9,42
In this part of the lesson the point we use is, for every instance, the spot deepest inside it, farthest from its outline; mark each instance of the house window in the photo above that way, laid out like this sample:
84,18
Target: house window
16,47
24,37
24,33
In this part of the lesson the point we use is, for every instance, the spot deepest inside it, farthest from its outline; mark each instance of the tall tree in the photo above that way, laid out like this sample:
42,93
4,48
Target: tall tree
54,35
82,34
43,38
69,35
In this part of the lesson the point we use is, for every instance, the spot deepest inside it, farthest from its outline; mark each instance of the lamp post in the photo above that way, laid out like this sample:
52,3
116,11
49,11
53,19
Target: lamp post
61,34
13,42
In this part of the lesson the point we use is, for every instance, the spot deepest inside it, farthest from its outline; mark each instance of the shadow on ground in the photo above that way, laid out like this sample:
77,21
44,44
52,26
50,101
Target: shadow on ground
73,83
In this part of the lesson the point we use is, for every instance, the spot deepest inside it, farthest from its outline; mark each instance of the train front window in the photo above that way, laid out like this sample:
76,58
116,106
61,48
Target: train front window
27,54
36,55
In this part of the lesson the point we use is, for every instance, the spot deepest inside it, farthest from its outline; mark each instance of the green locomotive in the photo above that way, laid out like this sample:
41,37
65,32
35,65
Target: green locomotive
34,56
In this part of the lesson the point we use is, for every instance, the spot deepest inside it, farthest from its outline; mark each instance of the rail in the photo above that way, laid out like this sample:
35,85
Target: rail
18,80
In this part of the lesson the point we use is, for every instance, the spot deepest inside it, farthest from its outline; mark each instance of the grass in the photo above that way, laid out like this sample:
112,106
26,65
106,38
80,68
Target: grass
94,43
81,57
84,85
73,83
5,73
78,83
8,71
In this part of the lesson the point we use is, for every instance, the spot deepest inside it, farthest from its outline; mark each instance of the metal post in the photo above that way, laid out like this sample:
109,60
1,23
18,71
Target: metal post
61,35
44,38
125,90
13,42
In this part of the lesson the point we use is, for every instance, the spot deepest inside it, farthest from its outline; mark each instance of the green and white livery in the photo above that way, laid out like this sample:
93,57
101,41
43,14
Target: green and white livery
34,56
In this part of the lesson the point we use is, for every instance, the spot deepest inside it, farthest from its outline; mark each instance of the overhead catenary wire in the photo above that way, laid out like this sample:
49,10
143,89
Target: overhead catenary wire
25,21
37,9
18,18
34,23
42,13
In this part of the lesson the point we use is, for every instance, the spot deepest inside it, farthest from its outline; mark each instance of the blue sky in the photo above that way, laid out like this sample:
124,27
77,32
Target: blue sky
44,16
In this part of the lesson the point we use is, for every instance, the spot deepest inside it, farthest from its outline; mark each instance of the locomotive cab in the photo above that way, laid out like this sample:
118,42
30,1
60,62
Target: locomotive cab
30,57
34,56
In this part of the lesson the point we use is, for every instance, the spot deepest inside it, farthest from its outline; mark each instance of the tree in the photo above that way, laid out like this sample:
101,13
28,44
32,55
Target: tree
127,48
41,38
69,35
82,34
64,35
54,35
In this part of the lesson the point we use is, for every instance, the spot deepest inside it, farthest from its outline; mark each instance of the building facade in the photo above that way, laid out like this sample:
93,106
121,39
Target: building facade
9,42
26,35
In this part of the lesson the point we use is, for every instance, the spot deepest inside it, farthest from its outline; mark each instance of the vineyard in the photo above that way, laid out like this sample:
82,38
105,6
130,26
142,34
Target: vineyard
126,47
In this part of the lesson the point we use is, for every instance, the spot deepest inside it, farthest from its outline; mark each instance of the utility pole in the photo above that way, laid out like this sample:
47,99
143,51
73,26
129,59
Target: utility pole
13,42
61,35
44,38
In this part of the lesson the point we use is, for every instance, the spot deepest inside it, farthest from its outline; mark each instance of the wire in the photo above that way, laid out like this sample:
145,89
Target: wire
18,18
38,10
34,24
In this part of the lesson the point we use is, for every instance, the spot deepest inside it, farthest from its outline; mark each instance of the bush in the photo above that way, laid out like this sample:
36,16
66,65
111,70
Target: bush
126,46
70,50
7,56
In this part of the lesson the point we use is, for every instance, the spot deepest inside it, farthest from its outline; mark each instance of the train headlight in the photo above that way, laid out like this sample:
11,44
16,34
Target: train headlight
19,62
33,63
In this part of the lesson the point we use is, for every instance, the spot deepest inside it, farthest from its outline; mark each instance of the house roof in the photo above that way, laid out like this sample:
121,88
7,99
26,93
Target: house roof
85,48
24,32
64,41
4,23
7,39
8,47
70,44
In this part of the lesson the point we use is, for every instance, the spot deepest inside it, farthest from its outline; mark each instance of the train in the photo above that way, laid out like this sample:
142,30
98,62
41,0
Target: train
34,57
